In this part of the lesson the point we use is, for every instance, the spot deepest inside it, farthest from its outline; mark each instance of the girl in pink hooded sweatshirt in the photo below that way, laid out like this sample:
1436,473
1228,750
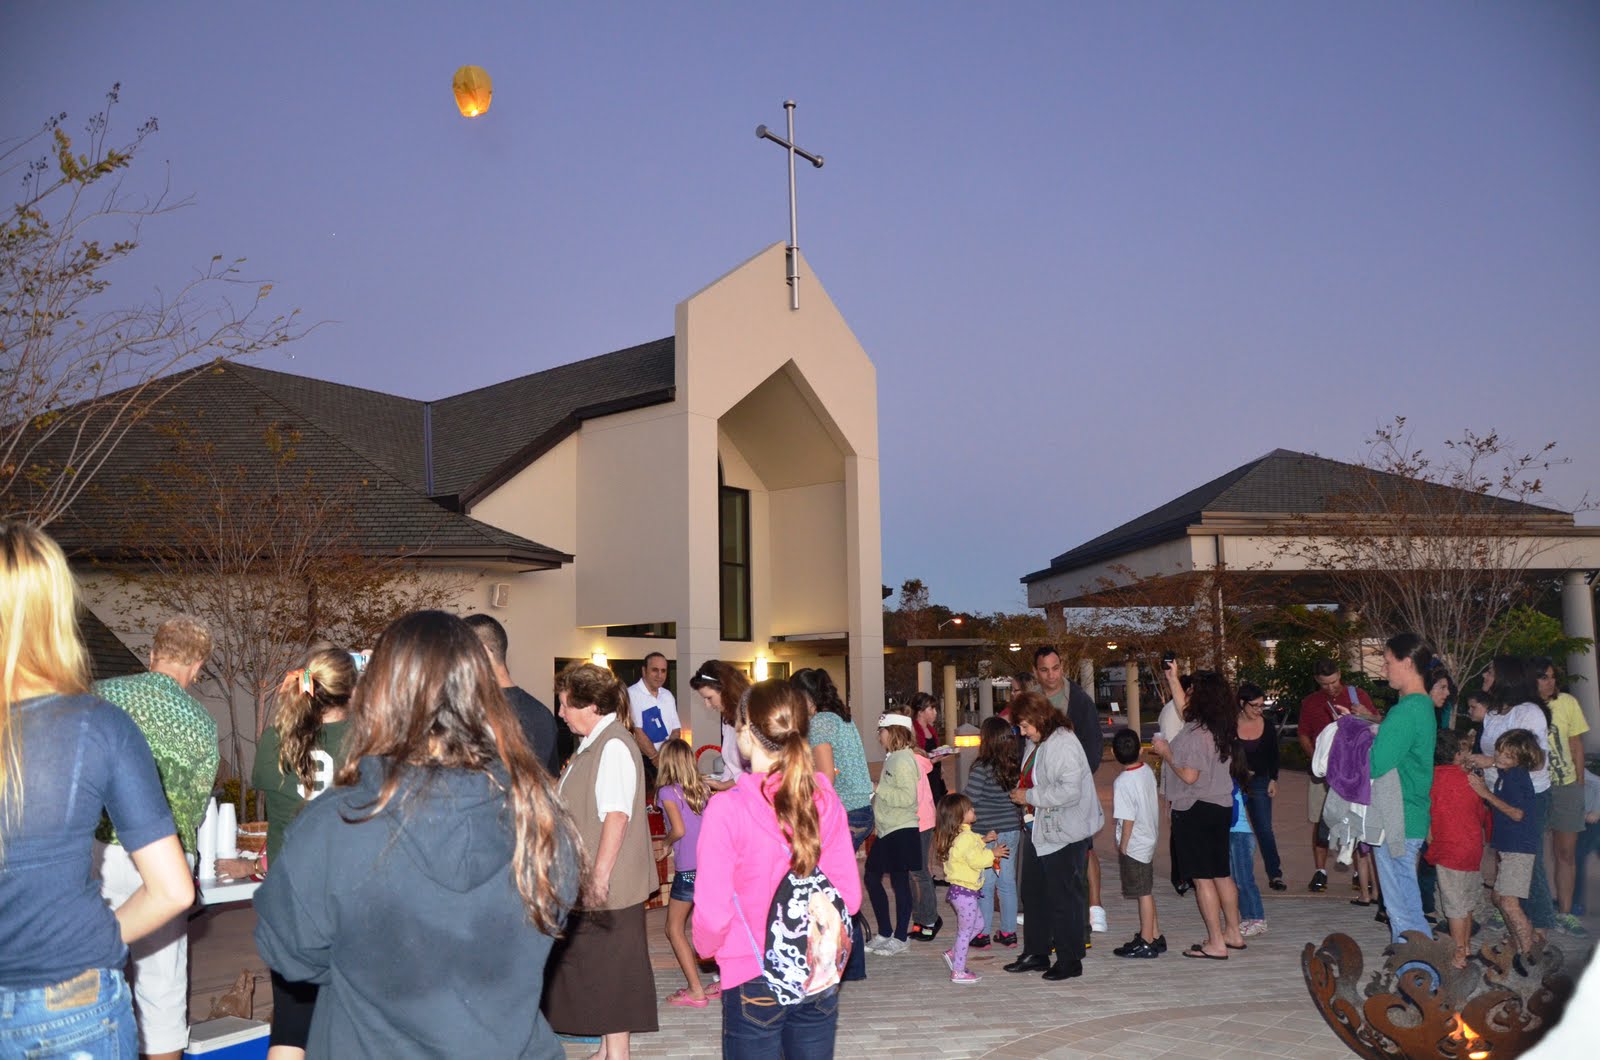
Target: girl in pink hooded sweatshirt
781,817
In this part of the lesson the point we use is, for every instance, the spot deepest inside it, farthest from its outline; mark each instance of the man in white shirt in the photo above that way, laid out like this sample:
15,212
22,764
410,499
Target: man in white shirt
654,710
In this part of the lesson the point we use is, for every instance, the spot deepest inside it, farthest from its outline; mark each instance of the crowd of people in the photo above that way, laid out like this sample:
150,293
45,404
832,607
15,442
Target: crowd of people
419,802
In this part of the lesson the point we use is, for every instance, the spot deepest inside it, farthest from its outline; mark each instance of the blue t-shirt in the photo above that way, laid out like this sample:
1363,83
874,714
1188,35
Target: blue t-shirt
80,756
1241,819
1514,787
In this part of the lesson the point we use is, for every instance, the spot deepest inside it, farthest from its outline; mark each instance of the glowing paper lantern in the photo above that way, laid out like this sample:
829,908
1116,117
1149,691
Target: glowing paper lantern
473,90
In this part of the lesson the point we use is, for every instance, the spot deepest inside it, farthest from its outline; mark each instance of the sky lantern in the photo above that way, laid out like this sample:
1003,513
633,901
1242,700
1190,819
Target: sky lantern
473,90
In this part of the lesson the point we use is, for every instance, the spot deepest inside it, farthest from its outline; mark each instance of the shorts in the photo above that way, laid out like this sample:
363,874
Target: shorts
1138,877
1566,807
1458,892
1516,876
682,886
159,962
1316,797
1200,843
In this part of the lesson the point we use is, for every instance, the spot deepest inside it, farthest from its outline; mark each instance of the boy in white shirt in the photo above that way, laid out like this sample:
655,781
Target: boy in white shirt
1136,808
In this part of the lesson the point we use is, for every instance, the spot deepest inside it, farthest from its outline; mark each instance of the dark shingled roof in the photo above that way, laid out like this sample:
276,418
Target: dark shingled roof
108,656
1283,482
482,437
225,406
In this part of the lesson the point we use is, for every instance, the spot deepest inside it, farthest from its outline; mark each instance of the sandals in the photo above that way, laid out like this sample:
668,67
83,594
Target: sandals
1198,951
683,999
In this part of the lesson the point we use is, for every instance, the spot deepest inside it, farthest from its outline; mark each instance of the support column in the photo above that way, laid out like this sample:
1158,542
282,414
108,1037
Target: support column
985,698
700,621
1577,614
949,703
925,677
1131,693
864,601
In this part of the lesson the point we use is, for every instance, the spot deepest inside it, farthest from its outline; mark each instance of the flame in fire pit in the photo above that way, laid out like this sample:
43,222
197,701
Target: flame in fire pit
1471,1041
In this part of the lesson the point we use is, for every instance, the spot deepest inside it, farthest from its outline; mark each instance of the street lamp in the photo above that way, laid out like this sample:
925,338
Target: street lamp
955,620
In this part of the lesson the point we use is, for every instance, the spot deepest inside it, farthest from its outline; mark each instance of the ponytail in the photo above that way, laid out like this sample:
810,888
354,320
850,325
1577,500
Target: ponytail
777,715
326,682
795,802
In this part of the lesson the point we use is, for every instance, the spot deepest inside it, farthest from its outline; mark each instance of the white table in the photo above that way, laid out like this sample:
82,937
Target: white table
218,892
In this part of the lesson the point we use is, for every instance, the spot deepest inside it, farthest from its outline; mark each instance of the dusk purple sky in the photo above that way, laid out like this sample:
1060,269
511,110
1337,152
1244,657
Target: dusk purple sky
1099,253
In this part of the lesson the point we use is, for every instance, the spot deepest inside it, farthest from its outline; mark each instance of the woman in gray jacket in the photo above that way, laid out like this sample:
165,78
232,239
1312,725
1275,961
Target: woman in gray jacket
1056,791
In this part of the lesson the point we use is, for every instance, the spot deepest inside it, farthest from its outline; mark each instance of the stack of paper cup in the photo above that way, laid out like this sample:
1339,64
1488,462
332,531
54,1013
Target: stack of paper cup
227,831
206,842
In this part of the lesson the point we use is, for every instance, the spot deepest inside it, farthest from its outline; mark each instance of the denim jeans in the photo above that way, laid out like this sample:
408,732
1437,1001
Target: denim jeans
1402,895
89,1016
1588,844
925,901
1541,905
1259,806
855,969
1242,861
756,1027
1005,880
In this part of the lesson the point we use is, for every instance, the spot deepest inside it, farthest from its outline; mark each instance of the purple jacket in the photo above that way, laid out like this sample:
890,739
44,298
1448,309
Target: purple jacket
1349,771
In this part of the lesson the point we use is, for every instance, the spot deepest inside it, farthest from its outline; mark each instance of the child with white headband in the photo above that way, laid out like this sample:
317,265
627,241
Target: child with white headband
897,846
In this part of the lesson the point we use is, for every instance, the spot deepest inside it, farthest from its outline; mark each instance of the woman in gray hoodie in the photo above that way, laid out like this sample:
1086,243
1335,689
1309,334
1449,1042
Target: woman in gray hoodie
1056,791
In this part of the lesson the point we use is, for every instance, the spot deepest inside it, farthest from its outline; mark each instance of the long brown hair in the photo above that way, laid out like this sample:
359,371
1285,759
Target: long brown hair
730,683
952,815
997,748
325,683
776,714
429,699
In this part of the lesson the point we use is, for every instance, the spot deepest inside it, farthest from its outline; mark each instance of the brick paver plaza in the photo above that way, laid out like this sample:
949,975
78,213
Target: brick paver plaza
1254,1005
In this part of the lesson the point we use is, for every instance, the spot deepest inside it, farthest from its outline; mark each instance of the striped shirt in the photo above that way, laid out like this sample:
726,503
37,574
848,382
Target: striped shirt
996,812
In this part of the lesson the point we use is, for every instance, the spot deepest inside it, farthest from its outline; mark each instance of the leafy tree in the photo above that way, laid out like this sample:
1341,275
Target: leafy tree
1530,632
268,556
78,368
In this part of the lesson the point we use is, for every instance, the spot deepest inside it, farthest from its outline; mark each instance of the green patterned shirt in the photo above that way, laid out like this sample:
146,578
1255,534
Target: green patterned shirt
183,739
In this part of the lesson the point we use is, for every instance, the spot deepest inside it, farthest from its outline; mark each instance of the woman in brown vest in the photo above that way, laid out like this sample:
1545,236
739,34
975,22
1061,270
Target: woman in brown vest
601,981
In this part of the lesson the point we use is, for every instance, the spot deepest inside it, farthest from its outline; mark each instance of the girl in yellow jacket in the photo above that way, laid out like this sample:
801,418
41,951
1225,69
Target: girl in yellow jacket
966,857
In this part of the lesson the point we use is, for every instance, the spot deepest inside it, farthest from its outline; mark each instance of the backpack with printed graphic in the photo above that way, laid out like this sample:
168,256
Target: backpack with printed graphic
807,938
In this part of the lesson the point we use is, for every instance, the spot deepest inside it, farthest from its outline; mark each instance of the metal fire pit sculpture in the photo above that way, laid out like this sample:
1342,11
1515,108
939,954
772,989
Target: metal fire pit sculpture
1490,1009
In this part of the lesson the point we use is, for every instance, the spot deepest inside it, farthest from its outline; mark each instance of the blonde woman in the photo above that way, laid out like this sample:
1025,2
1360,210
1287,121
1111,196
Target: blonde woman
66,757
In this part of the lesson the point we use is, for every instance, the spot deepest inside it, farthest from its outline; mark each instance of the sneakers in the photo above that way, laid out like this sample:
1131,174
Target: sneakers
1319,881
1251,928
963,978
1277,884
890,947
1097,919
1160,943
1137,947
950,959
927,932
1571,925
979,942
1006,938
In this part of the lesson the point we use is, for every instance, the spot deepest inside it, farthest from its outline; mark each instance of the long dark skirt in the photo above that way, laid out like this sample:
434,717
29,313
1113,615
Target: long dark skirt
599,979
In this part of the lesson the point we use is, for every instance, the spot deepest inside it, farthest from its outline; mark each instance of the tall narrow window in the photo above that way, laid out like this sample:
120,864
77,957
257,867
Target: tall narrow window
734,526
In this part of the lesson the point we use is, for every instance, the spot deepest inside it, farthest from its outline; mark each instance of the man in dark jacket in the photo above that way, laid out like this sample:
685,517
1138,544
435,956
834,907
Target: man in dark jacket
1080,709
540,726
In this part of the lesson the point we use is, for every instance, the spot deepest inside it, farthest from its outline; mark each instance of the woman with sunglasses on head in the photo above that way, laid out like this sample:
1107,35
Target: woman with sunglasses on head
423,892
721,685
67,757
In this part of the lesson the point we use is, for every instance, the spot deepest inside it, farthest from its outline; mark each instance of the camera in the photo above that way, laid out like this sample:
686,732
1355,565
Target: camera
1167,659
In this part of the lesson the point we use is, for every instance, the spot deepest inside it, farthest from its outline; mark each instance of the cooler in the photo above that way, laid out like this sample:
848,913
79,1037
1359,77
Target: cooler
228,1038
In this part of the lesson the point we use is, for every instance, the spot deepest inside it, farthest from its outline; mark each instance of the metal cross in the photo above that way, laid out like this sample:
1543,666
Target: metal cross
793,253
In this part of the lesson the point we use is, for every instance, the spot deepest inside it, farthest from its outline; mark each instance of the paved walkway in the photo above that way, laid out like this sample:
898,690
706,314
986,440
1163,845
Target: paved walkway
1255,1005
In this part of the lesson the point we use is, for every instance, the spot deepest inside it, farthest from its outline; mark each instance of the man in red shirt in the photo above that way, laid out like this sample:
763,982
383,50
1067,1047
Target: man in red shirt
1332,700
